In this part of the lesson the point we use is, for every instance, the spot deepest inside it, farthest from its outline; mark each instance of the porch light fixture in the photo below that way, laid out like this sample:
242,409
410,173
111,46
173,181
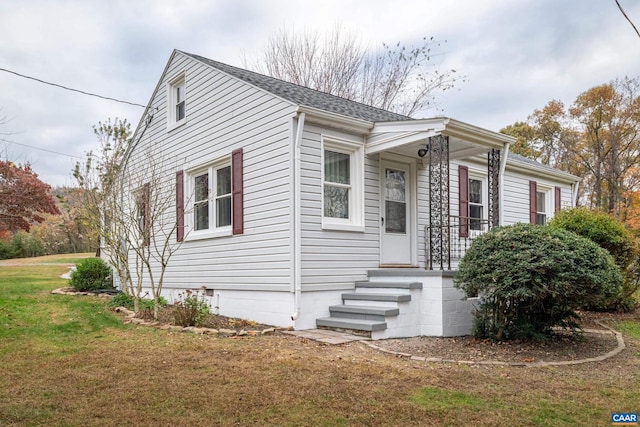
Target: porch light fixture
423,151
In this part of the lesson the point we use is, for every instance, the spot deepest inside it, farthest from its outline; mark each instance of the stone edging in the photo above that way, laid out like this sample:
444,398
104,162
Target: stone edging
67,291
620,346
129,317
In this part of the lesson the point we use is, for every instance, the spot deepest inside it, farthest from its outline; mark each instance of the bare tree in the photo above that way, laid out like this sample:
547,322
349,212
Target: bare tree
397,78
131,208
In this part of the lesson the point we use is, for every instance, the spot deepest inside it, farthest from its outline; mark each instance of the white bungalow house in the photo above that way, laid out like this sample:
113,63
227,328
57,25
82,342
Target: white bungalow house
299,208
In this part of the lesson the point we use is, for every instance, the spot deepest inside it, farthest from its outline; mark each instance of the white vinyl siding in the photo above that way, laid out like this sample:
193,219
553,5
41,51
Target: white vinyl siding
225,114
335,259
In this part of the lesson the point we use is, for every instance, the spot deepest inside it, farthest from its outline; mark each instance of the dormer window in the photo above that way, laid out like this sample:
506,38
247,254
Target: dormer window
176,102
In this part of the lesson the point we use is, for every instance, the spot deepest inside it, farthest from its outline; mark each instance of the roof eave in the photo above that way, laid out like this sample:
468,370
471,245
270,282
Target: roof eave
335,120
543,172
478,135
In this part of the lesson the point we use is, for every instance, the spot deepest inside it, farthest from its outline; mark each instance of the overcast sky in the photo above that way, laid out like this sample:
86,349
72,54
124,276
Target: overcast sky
517,54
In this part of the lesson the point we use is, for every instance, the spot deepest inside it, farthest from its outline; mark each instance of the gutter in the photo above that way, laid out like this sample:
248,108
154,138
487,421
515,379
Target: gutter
297,220
503,166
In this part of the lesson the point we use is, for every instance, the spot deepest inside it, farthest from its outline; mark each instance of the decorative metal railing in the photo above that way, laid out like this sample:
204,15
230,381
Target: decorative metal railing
446,243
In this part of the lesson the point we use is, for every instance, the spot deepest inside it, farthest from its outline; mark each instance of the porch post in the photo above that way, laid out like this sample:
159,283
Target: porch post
494,187
438,237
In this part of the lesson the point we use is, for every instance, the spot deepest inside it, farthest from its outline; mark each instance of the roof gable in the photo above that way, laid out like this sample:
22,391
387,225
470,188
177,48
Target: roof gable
304,96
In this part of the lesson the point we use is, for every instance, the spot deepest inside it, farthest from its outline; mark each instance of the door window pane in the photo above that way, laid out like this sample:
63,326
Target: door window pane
395,185
395,217
395,201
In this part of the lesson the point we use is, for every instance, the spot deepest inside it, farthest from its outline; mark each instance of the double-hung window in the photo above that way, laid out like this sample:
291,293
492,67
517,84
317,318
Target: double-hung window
540,203
342,185
176,102
476,206
212,199
541,207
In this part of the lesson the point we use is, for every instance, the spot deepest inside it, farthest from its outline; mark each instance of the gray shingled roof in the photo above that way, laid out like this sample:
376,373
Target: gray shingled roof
518,157
301,95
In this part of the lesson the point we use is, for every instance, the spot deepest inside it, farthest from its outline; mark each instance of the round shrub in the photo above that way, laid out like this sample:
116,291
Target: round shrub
610,234
91,274
531,278
606,231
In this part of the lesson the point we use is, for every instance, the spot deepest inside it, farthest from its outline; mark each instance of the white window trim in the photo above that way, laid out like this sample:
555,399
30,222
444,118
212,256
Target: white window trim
355,150
189,212
178,80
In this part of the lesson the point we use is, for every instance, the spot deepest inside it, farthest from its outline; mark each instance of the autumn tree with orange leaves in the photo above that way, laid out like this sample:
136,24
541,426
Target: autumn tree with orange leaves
24,198
596,138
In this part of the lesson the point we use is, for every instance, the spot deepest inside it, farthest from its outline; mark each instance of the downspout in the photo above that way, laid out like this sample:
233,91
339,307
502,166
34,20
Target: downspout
297,220
574,194
503,165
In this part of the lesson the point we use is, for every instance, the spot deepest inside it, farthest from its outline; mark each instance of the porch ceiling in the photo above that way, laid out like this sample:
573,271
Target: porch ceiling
408,137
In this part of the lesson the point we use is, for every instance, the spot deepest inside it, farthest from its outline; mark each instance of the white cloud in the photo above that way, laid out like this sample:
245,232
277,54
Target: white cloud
518,55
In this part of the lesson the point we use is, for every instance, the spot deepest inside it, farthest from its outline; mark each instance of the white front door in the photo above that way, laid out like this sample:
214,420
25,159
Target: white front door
396,236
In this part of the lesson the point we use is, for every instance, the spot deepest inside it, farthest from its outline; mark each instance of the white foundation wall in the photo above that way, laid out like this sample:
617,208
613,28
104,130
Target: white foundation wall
316,304
438,309
269,308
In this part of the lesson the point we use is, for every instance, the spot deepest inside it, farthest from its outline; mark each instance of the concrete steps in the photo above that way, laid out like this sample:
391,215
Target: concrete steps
370,306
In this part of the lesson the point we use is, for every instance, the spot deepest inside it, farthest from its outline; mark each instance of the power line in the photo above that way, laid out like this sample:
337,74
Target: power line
41,149
628,19
71,89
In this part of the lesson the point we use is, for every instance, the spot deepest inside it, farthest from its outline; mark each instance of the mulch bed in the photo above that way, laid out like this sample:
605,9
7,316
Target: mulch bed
562,346
212,321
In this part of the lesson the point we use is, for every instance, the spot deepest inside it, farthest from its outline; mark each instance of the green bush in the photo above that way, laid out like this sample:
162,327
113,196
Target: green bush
610,234
7,250
533,278
190,308
91,274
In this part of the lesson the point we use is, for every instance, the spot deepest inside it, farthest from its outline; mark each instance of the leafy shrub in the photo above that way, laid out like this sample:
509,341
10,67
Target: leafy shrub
191,308
532,278
606,231
123,300
7,250
21,245
91,274
610,234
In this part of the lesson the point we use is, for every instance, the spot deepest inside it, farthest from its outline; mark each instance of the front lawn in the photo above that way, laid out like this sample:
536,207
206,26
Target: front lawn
67,360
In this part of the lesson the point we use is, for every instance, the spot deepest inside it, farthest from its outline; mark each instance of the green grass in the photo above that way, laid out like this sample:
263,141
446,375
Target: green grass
628,328
31,318
439,400
68,360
